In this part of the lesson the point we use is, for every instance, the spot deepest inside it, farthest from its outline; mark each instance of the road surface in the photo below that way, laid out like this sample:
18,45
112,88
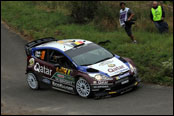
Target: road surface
18,98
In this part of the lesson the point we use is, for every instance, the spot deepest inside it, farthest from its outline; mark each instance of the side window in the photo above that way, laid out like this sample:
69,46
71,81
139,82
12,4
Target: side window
56,57
41,54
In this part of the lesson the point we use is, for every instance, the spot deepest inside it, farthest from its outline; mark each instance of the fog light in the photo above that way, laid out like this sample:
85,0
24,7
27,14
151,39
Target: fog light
136,83
94,82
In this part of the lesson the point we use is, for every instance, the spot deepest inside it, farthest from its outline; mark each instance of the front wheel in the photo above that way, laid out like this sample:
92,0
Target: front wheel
83,88
32,81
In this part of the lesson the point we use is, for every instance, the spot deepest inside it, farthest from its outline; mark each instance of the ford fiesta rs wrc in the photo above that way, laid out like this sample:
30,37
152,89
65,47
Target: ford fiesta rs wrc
78,66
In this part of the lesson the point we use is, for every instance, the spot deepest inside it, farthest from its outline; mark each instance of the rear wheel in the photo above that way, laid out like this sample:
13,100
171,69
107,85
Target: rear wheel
32,81
83,88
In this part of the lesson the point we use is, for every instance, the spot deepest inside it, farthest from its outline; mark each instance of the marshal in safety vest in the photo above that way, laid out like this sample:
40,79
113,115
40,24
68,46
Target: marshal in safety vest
157,13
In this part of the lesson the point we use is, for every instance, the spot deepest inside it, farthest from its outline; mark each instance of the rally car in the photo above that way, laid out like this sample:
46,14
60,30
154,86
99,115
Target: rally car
78,66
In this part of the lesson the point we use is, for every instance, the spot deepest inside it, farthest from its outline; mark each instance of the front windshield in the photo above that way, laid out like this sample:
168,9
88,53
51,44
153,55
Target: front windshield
89,54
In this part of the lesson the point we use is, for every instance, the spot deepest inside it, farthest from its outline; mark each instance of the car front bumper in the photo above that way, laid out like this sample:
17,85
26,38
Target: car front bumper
116,87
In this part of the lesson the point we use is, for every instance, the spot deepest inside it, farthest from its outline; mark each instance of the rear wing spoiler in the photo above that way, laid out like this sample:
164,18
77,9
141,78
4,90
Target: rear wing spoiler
34,43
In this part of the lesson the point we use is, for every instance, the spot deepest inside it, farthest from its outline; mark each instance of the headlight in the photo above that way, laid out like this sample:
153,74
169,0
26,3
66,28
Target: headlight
133,69
100,77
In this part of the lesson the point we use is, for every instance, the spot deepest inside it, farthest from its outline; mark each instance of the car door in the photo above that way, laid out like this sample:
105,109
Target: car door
42,67
64,71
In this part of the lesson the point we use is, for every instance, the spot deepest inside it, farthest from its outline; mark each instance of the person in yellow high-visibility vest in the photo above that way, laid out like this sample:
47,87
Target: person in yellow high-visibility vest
157,15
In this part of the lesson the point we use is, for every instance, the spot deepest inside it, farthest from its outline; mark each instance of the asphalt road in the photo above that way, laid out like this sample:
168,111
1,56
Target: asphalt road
18,98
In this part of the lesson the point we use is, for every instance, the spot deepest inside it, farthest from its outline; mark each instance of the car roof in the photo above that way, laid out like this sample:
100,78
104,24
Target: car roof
65,44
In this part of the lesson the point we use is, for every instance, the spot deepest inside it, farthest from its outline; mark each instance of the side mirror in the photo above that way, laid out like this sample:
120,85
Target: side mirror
57,65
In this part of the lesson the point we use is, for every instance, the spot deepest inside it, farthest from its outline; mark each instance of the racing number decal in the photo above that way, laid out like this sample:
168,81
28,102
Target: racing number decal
42,55
68,72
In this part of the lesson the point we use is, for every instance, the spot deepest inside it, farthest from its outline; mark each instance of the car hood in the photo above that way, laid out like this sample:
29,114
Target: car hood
112,66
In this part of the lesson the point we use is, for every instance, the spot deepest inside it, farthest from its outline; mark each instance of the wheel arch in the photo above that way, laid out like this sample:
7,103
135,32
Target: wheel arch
87,78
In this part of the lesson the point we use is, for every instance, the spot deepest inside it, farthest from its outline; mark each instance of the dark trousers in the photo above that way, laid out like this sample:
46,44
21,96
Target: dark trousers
128,25
162,26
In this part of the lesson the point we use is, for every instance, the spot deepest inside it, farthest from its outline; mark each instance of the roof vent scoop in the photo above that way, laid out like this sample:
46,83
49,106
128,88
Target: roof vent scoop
91,70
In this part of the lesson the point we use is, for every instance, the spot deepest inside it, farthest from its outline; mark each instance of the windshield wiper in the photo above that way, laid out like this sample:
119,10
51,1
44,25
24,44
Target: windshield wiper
86,64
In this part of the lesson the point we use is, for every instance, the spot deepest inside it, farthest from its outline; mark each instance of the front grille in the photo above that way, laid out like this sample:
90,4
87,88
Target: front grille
117,85
120,74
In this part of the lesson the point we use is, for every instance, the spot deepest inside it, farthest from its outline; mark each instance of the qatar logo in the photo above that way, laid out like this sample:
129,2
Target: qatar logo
42,69
115,68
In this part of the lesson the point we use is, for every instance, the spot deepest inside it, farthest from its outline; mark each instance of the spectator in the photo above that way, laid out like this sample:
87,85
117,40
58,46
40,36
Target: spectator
126,20
157,15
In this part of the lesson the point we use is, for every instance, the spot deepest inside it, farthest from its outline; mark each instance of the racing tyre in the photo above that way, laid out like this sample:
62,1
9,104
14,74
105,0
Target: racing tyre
83,88
32,81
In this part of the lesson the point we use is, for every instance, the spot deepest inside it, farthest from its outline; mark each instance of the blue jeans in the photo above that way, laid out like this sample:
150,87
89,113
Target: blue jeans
162,26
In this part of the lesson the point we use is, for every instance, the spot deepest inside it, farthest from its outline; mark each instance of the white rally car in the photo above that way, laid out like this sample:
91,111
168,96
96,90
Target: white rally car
78,66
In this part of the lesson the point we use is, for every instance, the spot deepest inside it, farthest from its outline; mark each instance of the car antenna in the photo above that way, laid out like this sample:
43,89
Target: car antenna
64,47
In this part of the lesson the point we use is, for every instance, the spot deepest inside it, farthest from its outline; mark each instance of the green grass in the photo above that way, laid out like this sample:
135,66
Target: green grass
153,55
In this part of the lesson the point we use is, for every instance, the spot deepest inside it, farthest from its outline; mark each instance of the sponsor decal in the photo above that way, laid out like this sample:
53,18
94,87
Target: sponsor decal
124,75
59,75
65,79
38,54
121,76
121,80
46,81
112,92
111,65
42,69
63,42
109,79
101,86
62,86
124,82
95,89
108,89
63,76
31,62
42,55
78,42
105,62
103,82
64,70
115,68
123,70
